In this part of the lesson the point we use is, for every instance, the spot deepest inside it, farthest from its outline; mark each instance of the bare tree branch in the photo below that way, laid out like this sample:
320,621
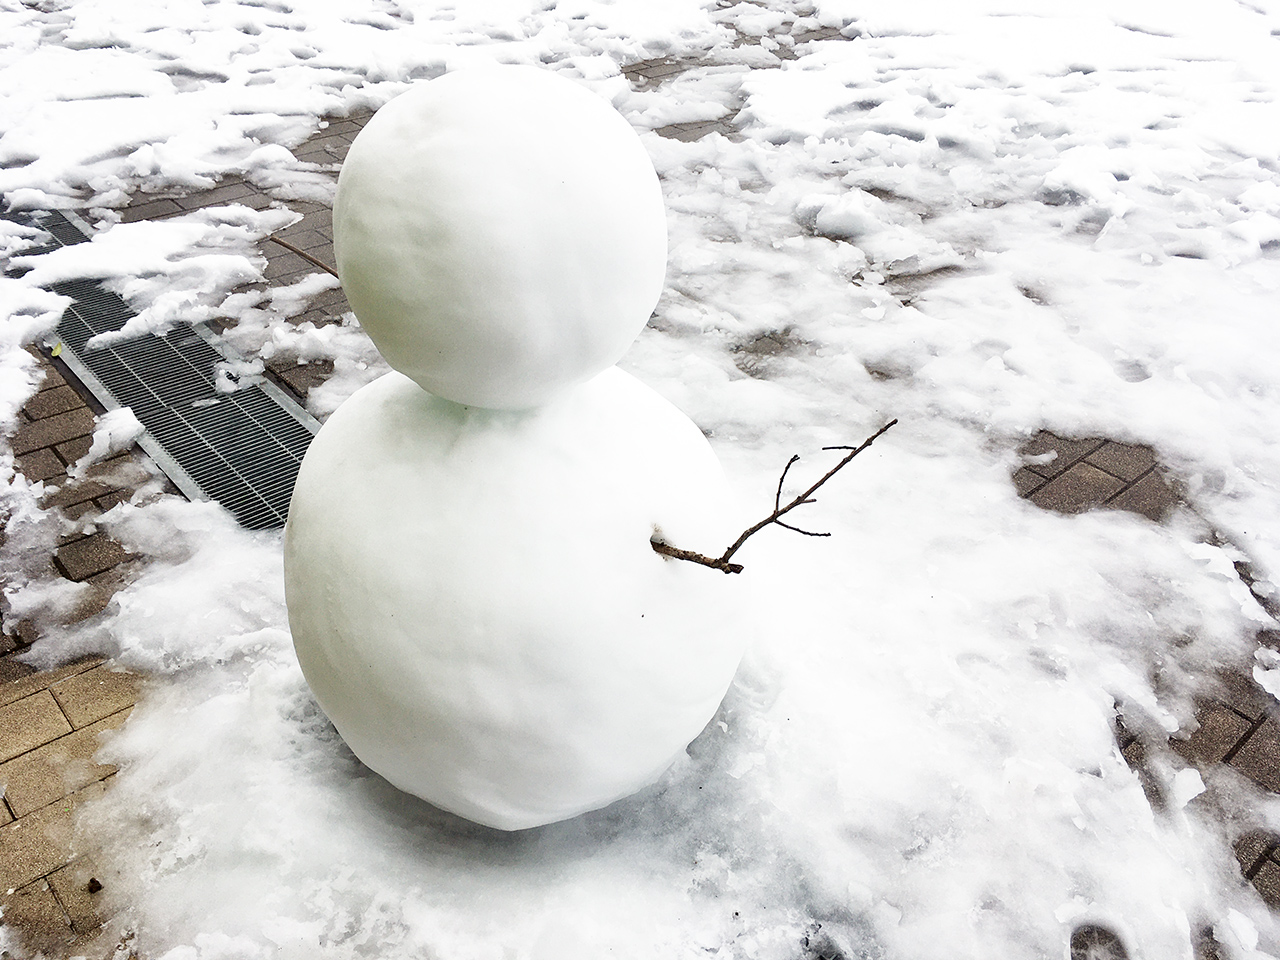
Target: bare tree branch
807,533
722,562
669,551
777,497
303,254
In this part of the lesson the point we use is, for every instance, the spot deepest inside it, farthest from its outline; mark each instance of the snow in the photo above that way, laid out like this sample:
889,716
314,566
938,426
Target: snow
115,432
915,758
500,235
475,603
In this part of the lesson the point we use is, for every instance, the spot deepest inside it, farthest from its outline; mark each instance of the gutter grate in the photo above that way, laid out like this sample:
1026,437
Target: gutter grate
242,449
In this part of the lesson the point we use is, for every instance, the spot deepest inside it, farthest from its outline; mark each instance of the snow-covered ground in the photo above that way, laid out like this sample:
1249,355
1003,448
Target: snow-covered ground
984,219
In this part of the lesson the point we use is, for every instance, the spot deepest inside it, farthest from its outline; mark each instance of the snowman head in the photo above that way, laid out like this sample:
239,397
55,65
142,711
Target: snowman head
500,235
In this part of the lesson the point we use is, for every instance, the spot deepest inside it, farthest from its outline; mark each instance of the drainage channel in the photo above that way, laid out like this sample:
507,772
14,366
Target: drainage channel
242,449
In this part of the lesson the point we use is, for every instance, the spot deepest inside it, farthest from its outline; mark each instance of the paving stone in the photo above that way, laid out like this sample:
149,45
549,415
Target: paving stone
1027,482
221,195
42,464
12,669
1239,692
1150,496
300,378
27,634
91,602
1267,883
150,210
1076,489
304,238
27,723
52,378
39,843
821,33
332,299
107,501
79,889
1220,730
350,124
1123,460
52,430
1068,451
90,696
60,767
78,510
323,152
48,403
1251,848
121,470
36,914
321,220
82,559
283,271
317,318
72,450
649,73
25,687
72,492
322,314
695,130
310,209
110,944
1259,758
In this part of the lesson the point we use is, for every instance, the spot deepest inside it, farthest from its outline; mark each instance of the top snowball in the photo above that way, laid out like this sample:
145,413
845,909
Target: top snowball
500,235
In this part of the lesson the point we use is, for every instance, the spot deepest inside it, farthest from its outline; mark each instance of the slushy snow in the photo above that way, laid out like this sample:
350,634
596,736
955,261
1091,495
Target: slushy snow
500,235
475,603
916,757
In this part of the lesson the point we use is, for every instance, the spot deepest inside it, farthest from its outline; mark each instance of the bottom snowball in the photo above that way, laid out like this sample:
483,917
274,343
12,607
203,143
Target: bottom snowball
476,606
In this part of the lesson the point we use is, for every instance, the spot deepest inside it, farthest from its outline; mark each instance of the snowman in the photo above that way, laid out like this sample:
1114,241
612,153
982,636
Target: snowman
470,583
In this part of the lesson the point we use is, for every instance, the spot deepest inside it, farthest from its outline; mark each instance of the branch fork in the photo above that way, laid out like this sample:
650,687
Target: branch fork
724,562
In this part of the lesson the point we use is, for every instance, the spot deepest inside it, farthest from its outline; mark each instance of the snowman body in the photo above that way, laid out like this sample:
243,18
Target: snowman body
471,589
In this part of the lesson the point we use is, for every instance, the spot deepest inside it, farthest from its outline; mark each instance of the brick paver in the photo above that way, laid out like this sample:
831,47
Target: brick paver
27,723
1220,731
1267,881
52,431
1122,460
77,886
1077,488
45,774
35,910
1149,496
1071,475
34,846
90,555
42,464
91,696
26,686
50,770
1257,754
48,403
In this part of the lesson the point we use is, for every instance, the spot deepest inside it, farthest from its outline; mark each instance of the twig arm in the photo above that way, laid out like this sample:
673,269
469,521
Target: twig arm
304,255
723,561
718,563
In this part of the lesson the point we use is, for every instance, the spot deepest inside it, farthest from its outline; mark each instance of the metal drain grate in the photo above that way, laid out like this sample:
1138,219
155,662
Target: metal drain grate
242,449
